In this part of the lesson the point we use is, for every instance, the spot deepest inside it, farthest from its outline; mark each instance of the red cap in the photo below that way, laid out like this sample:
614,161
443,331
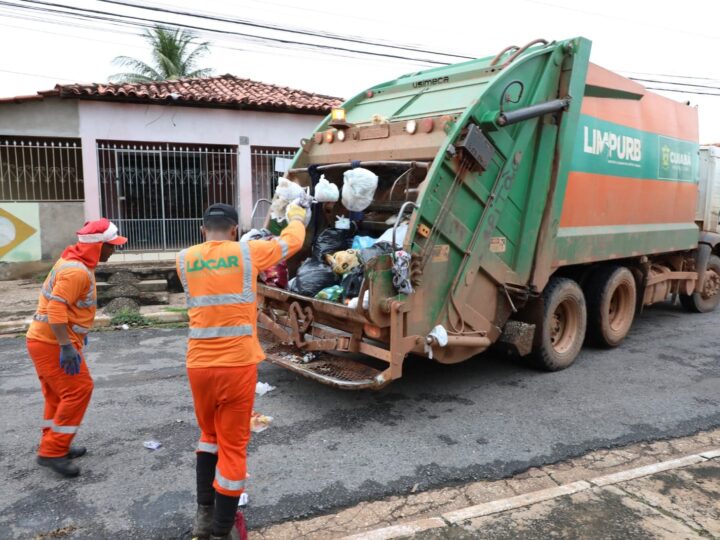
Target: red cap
100,230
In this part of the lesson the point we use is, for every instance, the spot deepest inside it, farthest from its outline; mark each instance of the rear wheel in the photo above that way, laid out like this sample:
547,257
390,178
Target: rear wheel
561,331
708,298
611,299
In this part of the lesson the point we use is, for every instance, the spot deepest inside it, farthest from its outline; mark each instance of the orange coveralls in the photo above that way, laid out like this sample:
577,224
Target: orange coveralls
219,278
68,297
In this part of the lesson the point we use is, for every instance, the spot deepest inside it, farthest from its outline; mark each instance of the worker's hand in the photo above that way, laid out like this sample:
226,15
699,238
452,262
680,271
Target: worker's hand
295,211
70,359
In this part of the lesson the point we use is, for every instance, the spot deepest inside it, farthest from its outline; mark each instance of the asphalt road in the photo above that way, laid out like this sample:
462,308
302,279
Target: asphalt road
439,425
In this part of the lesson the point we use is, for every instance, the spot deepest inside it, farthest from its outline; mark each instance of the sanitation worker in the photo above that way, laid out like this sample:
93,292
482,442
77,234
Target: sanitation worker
65,314
219,277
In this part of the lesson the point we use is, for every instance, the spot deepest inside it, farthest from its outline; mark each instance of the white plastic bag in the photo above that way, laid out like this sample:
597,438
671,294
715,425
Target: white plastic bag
359,187
440,337
326,191
400,234
286,192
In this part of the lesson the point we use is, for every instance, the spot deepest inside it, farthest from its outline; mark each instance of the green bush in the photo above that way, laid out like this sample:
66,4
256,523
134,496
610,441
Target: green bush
129,317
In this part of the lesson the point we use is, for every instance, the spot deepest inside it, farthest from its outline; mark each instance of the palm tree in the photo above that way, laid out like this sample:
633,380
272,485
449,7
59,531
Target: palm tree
172,58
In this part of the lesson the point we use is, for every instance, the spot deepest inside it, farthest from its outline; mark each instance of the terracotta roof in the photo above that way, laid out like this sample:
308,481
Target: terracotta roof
225,91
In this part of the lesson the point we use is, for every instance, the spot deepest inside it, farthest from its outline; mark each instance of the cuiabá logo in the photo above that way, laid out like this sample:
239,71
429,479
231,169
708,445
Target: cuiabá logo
665,156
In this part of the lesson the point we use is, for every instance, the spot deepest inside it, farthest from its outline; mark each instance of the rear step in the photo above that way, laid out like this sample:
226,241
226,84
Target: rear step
337,371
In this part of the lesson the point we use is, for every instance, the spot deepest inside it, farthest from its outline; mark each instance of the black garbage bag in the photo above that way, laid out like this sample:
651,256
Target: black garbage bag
381,248
351,283
331,241
312,277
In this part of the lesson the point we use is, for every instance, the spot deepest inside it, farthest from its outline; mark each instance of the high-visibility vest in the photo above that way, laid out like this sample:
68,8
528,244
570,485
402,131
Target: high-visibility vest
80,313
220,287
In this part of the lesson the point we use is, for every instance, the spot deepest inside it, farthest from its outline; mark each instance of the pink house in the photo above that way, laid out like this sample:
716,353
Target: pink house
149,156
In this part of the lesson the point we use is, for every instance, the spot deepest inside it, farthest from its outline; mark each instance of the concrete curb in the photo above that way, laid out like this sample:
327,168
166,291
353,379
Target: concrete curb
511,503
101,321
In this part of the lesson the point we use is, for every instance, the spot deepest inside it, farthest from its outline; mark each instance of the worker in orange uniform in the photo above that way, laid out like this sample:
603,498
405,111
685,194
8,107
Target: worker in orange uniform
65,314
219,277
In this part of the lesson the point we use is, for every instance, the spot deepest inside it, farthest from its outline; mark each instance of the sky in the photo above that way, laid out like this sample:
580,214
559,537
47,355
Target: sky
668,41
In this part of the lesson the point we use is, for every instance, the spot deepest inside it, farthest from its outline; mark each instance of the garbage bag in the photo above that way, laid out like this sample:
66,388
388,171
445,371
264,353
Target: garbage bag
401,273
351,283
256,234
359,187
304,201
400,234
363,242
276,276
380,248
286,192
312,277
331,241
331,294
326,191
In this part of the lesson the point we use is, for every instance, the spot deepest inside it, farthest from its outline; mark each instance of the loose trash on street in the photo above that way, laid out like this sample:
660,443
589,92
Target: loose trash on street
152,445
262,388
244,499
259,422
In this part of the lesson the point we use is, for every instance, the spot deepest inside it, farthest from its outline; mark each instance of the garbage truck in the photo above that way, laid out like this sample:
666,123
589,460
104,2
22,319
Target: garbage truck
539,201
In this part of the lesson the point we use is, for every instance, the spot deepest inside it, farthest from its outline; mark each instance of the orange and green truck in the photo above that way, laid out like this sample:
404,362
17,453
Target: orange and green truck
548,201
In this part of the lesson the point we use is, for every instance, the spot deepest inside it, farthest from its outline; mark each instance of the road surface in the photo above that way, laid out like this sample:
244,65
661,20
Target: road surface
487,418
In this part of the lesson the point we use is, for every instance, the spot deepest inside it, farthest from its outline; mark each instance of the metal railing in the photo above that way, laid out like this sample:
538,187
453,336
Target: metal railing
157,193
268,166
41,169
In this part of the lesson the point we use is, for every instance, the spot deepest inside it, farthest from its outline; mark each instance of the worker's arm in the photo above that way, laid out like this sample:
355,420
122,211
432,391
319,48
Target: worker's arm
70,285
267,253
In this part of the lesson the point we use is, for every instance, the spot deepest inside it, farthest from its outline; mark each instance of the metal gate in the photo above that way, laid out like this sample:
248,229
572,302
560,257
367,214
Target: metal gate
156,193
268,165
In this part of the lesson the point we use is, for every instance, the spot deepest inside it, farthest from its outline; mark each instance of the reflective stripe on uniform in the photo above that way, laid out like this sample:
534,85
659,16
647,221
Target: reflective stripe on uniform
183,275
48,287
231,485
248,294
68,430
215,300
47,423
207,447
283,248
52,297
220,331
43,318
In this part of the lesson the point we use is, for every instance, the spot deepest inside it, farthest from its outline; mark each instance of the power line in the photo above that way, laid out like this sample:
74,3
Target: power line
99,14
675,83
669,75
280,28
36,75
682,91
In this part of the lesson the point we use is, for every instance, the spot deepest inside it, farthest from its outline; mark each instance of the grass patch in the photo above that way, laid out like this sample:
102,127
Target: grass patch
173,309
129,317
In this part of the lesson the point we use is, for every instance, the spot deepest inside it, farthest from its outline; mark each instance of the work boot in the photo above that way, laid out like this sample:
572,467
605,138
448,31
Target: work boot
202,529
238,532
61,465
76,452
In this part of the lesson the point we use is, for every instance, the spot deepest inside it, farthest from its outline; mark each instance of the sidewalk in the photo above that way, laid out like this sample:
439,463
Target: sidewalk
662,489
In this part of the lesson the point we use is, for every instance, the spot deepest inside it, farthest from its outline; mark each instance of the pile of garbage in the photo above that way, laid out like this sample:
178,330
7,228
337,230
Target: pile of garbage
335,270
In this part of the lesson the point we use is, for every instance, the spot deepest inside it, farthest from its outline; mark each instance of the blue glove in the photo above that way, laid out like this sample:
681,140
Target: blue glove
70,359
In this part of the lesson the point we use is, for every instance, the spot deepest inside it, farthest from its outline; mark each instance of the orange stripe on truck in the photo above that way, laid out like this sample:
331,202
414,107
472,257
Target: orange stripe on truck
653,113
595,199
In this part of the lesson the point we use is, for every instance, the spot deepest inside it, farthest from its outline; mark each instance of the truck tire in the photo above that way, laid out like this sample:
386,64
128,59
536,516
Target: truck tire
708,299
561,331
611,301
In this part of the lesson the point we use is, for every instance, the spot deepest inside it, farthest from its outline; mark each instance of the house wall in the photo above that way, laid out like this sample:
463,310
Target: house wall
100,120
51,117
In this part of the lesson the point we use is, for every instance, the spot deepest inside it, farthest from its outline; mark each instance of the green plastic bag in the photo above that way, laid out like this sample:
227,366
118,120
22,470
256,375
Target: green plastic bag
331,294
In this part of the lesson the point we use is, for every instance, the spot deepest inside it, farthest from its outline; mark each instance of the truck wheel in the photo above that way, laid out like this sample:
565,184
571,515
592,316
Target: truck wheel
708,299
562,329
611,299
